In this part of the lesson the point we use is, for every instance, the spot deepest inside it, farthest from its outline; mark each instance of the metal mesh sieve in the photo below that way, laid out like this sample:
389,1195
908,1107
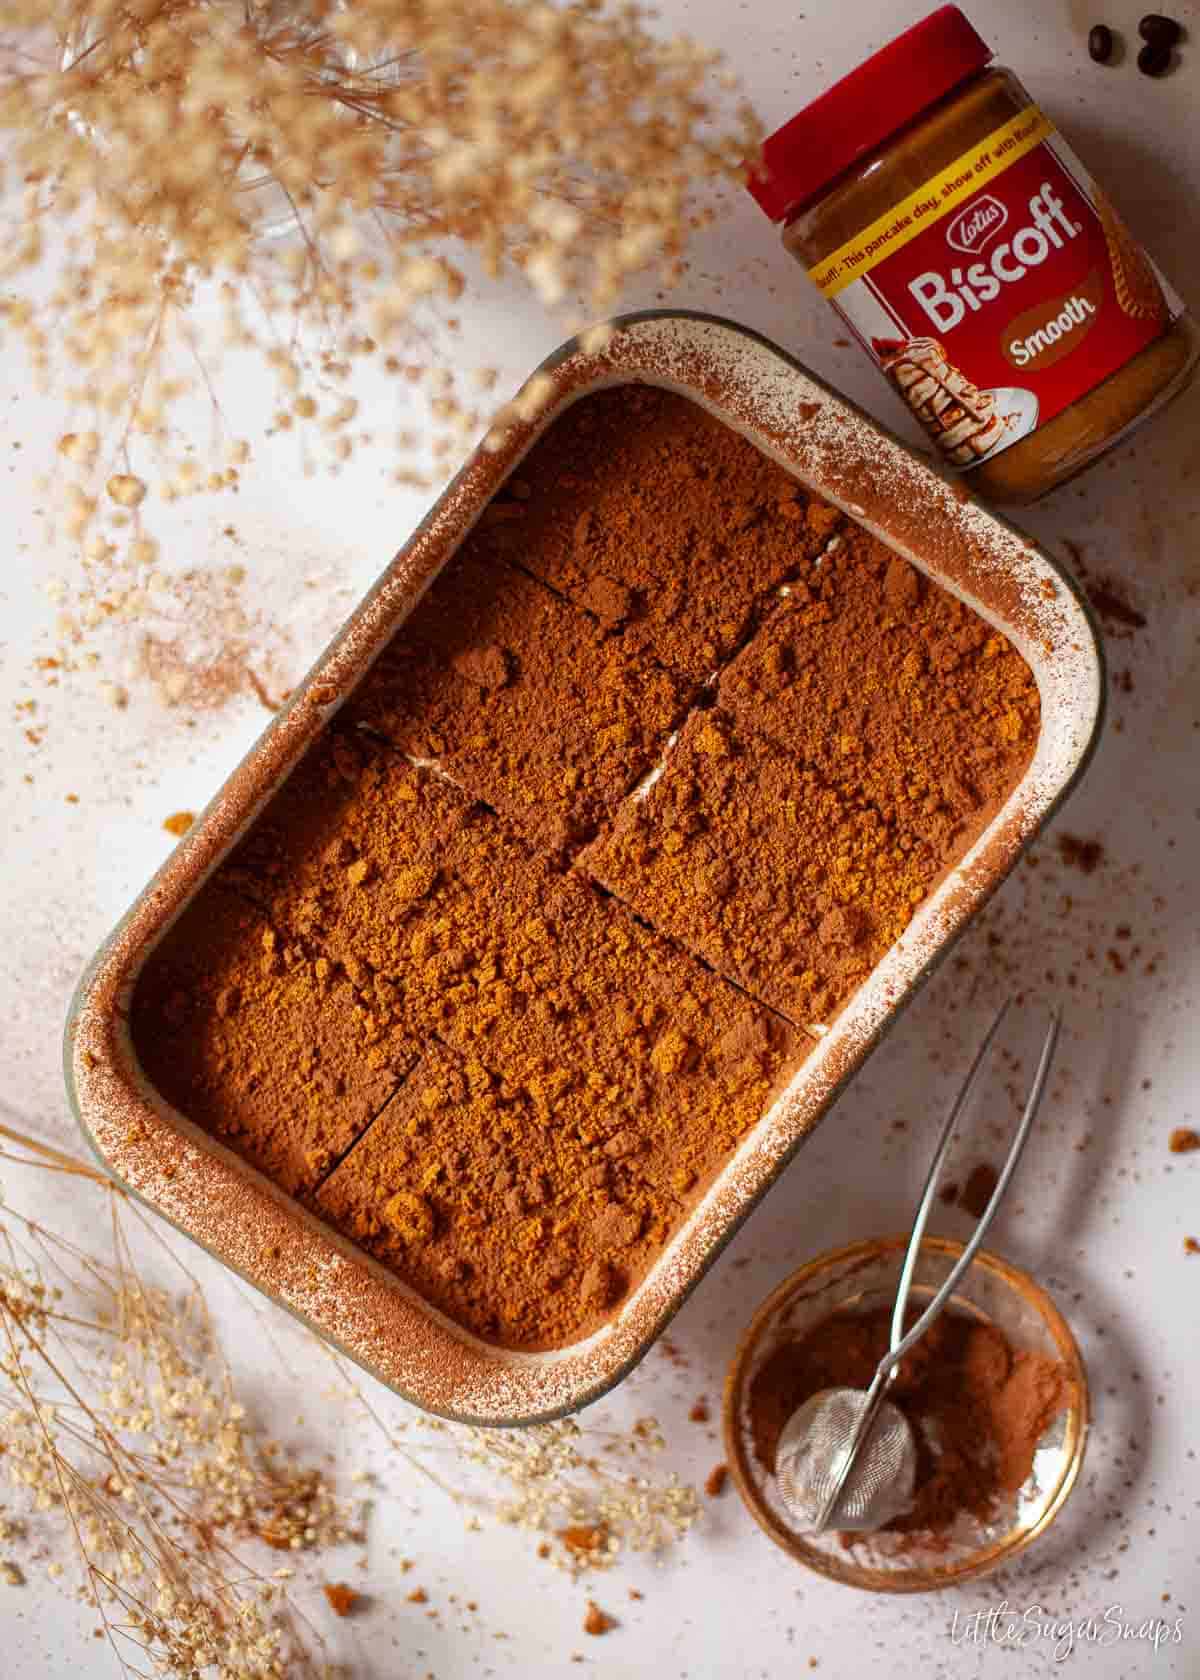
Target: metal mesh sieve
847,1458
810,1455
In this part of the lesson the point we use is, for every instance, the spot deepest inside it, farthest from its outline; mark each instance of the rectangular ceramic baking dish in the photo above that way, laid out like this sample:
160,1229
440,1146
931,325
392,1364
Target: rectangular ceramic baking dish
343,1294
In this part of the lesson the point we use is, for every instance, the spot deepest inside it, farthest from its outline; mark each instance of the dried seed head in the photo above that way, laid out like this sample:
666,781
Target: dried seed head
126,490
569,145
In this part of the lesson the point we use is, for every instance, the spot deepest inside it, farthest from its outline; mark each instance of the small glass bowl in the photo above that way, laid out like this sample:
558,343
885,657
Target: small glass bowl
865,1276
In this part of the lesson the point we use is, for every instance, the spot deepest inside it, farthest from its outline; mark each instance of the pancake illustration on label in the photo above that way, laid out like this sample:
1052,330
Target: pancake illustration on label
965,422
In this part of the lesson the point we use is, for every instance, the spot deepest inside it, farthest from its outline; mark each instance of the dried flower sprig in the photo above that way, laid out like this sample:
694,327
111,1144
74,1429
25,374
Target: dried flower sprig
598,1497
122,1434
396,145
594,1490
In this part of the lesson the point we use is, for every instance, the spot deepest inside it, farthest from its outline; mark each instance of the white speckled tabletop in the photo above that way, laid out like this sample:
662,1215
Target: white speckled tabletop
1102,1208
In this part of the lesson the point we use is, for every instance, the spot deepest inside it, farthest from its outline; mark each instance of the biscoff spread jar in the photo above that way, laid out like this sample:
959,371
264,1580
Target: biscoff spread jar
976,261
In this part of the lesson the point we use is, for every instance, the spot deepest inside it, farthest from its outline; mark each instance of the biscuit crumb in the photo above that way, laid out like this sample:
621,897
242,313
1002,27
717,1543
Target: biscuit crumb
597,1621
716,1481
585,1542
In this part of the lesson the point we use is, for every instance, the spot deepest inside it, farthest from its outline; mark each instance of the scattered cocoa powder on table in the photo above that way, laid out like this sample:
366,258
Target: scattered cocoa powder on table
585,1543
977,1406
1077,853
977,1192
1113,608
1107,595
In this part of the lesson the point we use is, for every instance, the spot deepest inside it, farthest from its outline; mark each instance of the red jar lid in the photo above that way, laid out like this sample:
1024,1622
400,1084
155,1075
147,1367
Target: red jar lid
858,113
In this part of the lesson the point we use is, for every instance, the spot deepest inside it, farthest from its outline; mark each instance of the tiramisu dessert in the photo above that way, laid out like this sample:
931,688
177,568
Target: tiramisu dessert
530,940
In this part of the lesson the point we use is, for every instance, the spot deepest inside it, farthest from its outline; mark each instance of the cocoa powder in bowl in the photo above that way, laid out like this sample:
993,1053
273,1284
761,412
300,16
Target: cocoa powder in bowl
977,1406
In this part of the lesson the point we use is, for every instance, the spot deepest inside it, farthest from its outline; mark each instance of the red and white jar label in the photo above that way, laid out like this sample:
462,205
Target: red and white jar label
1000,292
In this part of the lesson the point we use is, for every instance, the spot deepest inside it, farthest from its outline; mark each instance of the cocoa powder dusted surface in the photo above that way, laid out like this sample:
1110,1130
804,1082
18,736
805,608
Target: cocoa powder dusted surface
407,996
894,692
659,521
487,659
742,853
514,1225
247,1033
977,1406
866,736
313,860
583,1079
447,921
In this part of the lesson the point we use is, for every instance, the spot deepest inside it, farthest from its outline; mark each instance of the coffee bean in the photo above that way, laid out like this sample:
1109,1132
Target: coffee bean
1154,60
1101,42
1160,31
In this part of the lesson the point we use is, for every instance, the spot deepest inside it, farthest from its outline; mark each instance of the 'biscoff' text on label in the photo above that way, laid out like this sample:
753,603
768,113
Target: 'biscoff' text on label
947,300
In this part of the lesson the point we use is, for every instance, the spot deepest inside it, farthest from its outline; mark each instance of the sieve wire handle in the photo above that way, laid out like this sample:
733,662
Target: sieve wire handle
901,1346
886,1368
934,1176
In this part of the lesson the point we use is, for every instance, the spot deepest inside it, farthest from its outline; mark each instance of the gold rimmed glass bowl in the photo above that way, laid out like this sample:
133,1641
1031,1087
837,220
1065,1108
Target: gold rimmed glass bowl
863,1277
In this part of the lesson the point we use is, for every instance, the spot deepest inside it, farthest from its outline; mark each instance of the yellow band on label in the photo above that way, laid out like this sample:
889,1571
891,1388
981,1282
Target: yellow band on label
932,201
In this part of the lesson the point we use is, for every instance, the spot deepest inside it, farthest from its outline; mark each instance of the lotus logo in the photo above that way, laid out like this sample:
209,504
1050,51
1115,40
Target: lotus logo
973,229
